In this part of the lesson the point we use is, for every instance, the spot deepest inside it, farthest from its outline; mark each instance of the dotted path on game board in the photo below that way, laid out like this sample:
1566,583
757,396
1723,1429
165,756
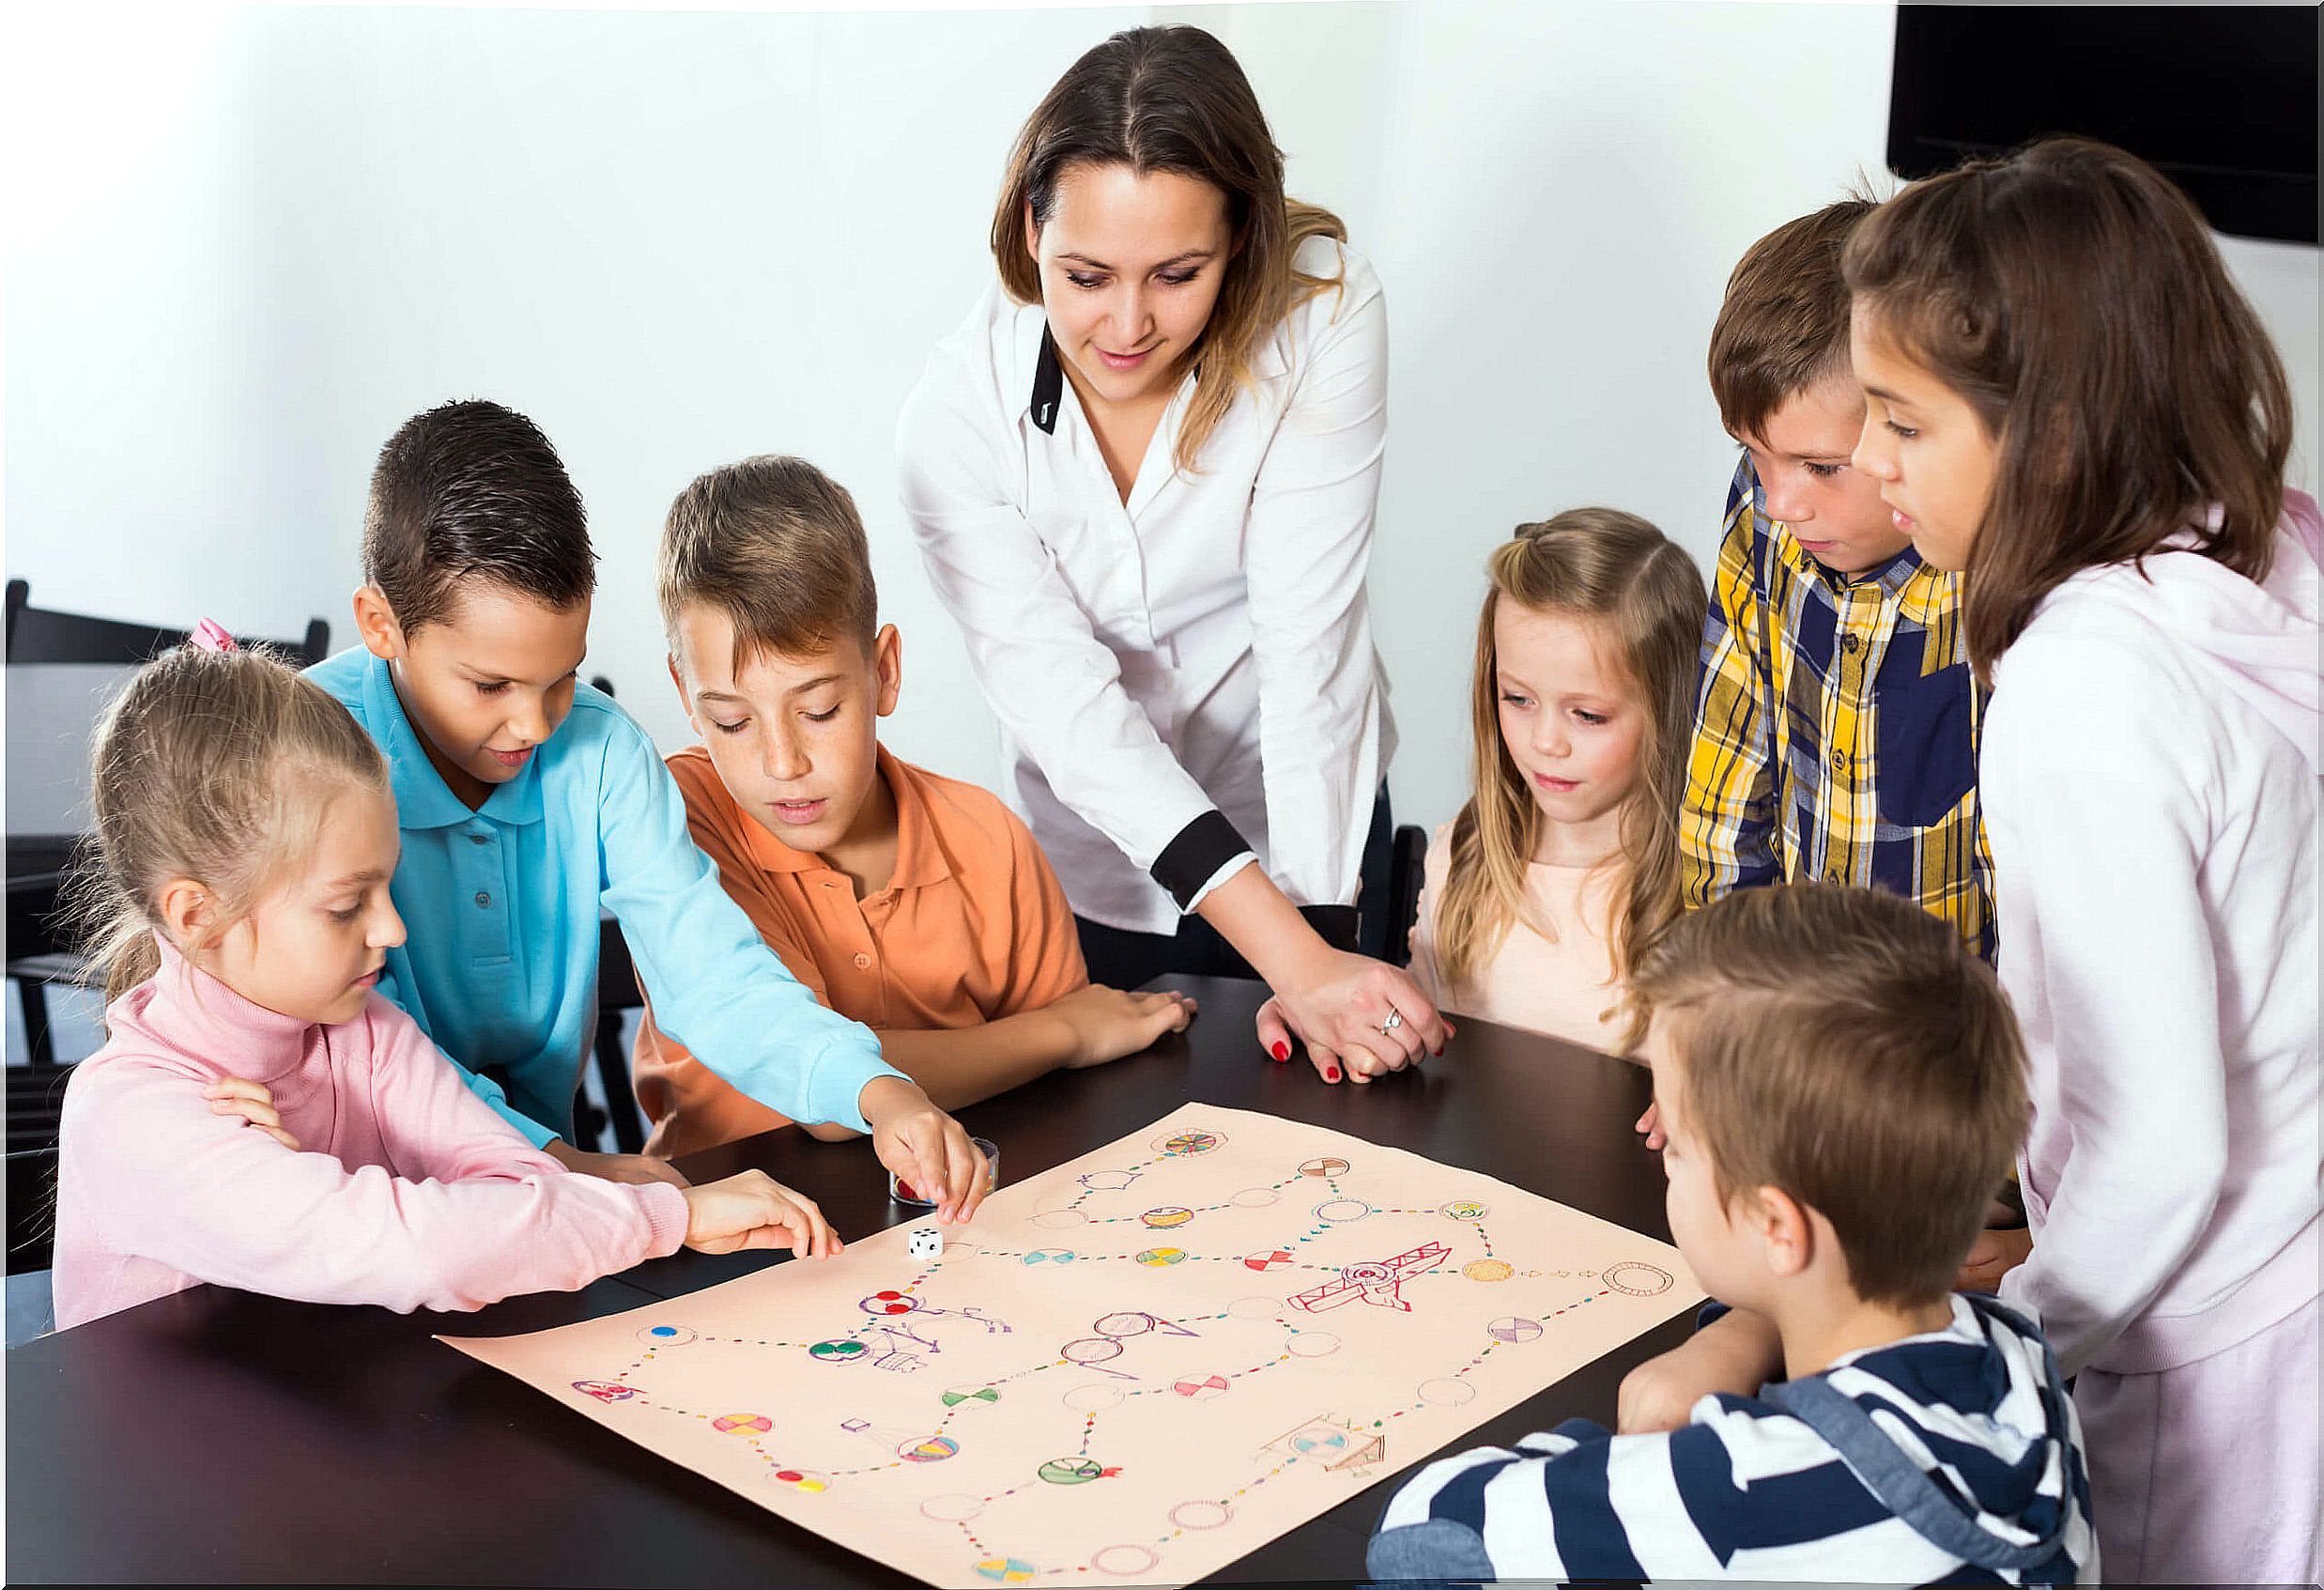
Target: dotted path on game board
889,1313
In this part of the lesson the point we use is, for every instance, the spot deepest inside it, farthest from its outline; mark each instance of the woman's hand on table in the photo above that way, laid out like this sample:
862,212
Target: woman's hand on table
926,1147
632,1169
1354,1016
754,1210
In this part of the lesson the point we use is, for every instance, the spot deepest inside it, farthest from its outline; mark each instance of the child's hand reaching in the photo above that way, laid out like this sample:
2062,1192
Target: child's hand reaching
926,1147
635,1169
1107,1023
254,1102
754,1210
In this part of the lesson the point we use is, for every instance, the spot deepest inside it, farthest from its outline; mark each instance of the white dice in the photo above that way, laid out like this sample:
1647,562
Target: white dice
926,1242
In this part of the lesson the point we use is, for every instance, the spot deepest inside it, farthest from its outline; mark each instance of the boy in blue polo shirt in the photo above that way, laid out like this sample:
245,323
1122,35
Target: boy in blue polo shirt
528,799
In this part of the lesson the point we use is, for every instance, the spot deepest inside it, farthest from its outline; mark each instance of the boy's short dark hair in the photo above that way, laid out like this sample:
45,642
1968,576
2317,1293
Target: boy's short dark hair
1843,1045
1783,325
777,545
473,490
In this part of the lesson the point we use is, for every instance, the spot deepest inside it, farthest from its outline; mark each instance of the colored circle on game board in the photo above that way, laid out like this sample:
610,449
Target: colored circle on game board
1365,1275
1200,1515
1155,1258
742,1424
1050,1256
952,1507
812,1481
1328,1442
1125,1559
1071,1471
1638,1280
1006,1570
1464,1208
889,1302
1339,1211
1271,1258
1183,1144
1311,1344
935,1449
1447,1392
1201,1390
605,1391
1514,1328
1124,1325
1163,1219
1326,1168
666,1335
840,1351
983,1394
1489,1269
1090,1350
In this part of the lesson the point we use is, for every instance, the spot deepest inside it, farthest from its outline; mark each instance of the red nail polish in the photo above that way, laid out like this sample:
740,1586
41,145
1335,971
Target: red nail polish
1282,1050
1332,1075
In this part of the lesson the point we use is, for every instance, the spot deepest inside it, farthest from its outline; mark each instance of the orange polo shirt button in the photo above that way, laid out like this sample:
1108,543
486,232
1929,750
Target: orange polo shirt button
862,960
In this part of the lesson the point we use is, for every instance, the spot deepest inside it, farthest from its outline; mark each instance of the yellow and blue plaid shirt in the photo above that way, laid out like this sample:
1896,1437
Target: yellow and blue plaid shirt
1836,730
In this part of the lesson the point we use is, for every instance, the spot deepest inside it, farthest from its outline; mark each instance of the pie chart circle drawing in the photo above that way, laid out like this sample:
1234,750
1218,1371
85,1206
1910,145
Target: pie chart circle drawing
1513,1328
1071,1471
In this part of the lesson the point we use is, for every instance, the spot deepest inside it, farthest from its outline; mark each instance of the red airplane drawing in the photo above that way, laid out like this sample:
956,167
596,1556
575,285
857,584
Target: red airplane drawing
1379,1285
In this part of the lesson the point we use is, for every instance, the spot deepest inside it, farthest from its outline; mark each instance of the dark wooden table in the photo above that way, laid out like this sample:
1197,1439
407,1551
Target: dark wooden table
219,1436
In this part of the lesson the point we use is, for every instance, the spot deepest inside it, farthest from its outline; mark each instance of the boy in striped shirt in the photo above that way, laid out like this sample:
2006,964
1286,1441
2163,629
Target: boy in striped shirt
1842,1084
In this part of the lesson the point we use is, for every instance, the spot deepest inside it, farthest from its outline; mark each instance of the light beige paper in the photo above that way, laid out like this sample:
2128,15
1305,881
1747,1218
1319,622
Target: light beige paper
1131,1370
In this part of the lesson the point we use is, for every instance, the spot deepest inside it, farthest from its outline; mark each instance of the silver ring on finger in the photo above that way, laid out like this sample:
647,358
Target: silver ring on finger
1396,1020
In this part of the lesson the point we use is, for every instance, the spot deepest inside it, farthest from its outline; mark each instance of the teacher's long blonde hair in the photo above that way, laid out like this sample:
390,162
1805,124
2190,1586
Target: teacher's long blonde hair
1173,98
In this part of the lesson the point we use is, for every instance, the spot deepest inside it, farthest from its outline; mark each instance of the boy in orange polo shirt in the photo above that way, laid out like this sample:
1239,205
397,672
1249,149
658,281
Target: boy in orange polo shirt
916,905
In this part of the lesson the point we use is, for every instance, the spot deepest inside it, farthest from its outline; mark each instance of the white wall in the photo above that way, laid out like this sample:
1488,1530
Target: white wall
247,245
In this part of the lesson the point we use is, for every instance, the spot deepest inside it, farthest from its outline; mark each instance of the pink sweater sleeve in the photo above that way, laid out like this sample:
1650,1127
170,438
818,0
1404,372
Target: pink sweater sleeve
202,1194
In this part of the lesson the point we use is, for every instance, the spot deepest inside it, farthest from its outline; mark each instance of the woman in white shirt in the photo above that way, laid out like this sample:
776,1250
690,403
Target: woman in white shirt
1143,475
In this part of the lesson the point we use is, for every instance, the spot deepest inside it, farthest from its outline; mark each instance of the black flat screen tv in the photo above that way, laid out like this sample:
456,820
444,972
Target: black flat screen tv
2221,99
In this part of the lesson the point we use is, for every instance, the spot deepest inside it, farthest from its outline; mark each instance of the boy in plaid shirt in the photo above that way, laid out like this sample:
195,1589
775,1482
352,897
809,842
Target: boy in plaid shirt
1836,728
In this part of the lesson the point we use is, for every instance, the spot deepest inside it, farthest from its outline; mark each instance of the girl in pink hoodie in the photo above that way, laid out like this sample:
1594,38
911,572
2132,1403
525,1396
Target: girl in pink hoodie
2068,399
258,1116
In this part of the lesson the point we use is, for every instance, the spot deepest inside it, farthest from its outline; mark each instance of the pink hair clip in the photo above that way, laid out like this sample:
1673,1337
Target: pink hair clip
211,637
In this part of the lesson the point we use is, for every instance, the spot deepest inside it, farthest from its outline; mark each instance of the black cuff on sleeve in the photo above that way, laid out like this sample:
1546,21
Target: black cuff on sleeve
1336,924
1192,859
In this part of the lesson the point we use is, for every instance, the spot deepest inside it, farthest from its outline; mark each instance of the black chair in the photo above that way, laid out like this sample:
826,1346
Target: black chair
44,635
617,992
1408,850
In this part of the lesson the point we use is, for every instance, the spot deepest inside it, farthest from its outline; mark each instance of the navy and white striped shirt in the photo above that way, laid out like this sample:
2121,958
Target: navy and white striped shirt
1968,1433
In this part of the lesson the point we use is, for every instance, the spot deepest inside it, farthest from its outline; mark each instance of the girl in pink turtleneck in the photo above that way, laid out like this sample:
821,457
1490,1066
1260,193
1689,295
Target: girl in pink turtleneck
259,1117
